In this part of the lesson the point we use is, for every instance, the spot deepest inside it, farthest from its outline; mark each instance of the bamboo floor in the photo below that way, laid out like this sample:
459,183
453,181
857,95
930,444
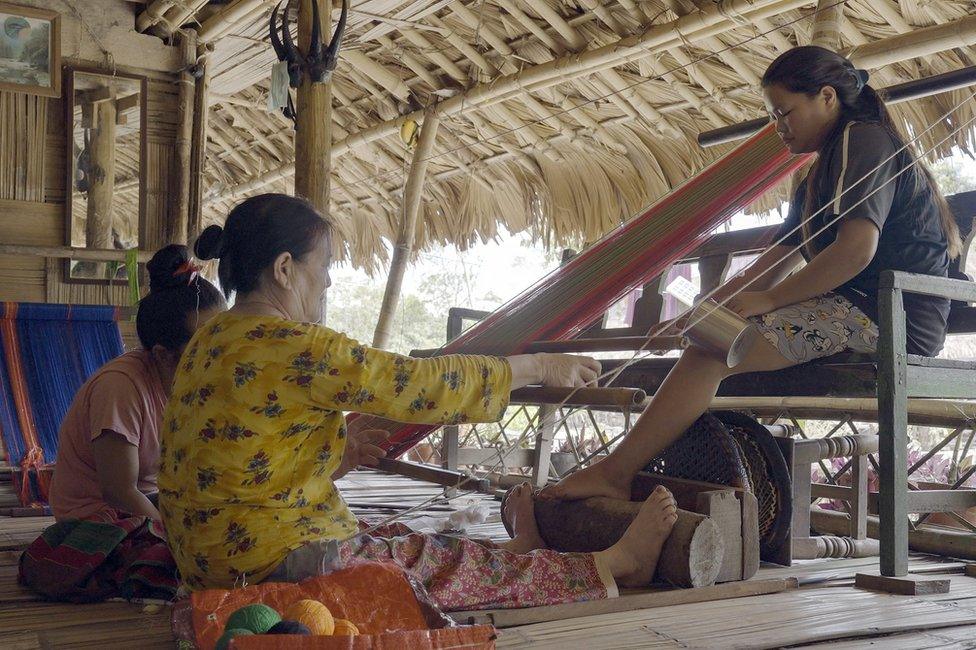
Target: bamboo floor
825,611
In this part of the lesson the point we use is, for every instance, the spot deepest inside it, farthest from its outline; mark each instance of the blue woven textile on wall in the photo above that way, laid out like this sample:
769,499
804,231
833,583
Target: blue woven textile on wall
53,349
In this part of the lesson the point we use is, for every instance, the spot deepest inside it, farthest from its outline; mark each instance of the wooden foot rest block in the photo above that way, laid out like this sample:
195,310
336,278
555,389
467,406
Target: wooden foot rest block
692,554
716,537
626,602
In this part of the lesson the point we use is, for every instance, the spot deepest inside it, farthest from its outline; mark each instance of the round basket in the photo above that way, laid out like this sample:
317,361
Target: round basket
706,452
768,475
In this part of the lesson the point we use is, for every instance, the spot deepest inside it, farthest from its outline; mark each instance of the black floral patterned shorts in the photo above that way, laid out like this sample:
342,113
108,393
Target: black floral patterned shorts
818,327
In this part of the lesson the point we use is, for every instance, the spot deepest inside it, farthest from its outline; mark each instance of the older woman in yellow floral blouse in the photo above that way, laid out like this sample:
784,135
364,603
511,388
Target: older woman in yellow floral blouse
255,431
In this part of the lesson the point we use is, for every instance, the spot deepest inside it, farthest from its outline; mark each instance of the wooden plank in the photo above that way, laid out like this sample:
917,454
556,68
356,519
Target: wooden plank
920,501
723,508
902,585
928,285
626,602
946,383
750,533
492,456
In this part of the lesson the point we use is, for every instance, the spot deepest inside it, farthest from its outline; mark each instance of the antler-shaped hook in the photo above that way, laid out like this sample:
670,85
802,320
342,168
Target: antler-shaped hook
284,46
319,64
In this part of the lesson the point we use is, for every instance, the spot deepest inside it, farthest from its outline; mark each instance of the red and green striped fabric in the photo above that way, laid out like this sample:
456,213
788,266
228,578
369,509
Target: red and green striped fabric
574,295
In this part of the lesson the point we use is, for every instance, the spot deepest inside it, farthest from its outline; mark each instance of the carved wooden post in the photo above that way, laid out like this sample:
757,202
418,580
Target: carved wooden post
408,227
176,229
313,131
98,226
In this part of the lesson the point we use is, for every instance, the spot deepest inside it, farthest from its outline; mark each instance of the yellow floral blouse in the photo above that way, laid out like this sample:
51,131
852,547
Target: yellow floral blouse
254,430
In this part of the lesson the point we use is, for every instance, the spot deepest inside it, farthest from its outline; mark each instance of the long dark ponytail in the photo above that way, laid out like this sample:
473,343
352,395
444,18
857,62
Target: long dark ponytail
807,69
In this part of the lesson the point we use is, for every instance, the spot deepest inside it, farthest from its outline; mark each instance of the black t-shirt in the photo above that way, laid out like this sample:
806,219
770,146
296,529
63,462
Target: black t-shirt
859,162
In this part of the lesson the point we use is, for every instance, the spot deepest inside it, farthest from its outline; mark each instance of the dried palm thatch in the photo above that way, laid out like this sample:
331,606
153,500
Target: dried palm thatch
559,117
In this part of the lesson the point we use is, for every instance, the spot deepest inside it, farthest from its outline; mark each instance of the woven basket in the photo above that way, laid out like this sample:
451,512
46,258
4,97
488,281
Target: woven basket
730,448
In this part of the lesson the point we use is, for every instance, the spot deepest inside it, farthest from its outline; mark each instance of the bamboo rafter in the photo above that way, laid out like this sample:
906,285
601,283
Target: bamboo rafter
526,87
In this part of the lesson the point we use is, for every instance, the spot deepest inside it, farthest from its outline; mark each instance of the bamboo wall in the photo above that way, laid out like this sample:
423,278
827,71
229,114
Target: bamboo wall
33,147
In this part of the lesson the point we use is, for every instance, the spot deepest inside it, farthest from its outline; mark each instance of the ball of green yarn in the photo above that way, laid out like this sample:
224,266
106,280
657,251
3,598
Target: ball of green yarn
256,618
229,634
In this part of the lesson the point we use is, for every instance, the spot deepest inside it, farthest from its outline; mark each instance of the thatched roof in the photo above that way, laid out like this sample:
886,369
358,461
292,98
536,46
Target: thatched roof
570,149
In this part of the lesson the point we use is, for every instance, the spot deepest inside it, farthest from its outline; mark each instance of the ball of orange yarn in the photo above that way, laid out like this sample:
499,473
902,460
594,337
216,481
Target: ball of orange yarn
345,628
313,614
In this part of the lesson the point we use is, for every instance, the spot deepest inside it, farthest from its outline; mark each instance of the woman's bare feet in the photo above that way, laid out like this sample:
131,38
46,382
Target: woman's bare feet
597,480
519,512
633,559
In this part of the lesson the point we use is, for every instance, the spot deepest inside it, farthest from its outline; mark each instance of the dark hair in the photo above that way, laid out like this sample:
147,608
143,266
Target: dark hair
257,231
175,292
807,69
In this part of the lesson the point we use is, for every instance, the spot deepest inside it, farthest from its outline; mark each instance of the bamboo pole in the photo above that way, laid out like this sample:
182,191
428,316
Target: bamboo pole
408,228
179,219
152,14
313,130
218,24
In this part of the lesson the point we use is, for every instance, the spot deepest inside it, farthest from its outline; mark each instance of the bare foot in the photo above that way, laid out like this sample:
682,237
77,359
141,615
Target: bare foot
633,559
519,512
597,480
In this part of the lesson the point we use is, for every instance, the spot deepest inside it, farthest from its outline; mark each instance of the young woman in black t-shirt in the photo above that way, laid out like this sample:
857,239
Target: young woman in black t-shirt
864,207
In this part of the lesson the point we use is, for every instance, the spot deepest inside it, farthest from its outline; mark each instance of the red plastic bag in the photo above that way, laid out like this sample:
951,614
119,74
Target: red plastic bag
378,598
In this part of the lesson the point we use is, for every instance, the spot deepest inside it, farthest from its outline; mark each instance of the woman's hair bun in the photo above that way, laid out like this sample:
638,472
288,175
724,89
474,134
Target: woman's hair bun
168,268
210,243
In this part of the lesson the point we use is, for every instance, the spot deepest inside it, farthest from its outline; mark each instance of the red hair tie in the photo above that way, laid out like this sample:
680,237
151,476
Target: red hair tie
187,267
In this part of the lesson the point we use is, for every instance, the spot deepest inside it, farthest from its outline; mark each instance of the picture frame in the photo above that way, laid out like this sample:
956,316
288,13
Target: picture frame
30,50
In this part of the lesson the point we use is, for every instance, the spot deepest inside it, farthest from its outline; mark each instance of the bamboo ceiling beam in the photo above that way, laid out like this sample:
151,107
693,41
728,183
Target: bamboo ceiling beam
216,134
709,21
891,15
416,65
382,75
686,92
222,21
238,118
497,42
573,39
532,26
506,53
238,101
435,55
773,35
605,16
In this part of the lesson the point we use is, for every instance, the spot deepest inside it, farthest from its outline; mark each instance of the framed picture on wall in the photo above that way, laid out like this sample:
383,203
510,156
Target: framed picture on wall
30,50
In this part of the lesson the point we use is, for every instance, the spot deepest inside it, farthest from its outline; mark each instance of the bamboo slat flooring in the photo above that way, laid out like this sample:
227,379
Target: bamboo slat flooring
826,611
